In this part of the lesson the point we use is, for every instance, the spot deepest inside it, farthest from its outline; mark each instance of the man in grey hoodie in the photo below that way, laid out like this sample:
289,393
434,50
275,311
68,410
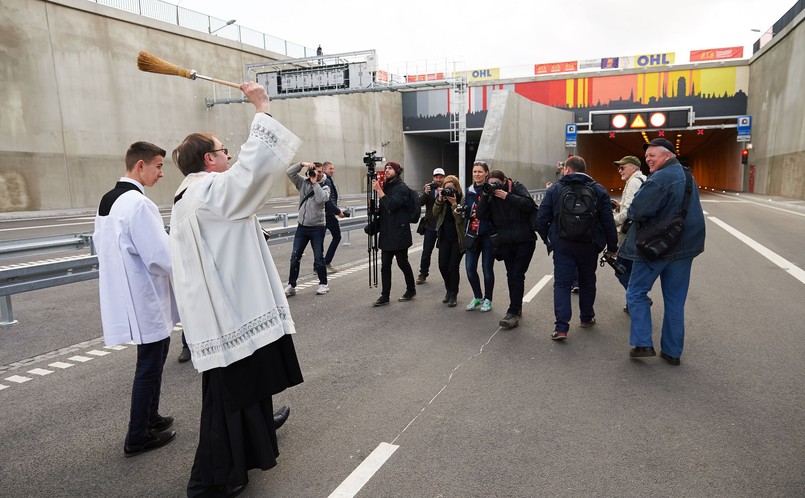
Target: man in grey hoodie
313,194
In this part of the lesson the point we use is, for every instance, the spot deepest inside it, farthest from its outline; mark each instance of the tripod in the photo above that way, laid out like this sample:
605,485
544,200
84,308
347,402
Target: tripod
374,220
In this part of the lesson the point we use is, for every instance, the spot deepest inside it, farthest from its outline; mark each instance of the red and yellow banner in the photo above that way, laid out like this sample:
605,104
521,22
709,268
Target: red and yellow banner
716,54
424,77
556,67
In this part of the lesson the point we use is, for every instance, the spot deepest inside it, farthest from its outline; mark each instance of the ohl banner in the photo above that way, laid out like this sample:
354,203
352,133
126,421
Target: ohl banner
647,60
716,54
488,74
556,67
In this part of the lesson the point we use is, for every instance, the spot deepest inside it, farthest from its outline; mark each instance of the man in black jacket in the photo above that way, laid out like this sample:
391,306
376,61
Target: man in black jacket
509,207
395,232
427,198
331,213
575,248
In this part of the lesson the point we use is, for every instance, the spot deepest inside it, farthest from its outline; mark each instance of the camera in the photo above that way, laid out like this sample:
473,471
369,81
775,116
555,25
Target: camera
448,192
311,172
370,159
488,188
433,186
607,258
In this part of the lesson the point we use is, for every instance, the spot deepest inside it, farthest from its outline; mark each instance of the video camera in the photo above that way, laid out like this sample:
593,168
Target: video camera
370,159
607,258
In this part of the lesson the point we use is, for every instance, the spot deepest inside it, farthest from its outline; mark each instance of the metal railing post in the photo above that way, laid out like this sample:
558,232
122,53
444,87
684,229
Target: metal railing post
6,313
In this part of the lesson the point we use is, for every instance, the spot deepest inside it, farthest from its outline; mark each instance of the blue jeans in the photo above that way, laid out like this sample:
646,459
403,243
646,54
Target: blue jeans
570,260
146,388
517,257
335,230
427,249
314,235
674,280
483,247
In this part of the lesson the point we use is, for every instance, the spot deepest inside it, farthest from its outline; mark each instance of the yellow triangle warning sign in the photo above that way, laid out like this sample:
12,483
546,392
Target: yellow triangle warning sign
638,122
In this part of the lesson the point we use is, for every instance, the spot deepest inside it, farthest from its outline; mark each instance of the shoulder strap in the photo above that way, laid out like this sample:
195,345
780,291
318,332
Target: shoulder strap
688,190
305,198
179,196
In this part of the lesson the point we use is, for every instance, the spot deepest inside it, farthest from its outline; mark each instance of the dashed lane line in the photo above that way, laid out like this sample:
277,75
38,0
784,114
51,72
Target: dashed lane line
61,364
79,358
40,371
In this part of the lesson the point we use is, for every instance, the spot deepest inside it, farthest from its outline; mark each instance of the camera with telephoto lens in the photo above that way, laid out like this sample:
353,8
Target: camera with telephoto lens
448,192
311,172
488,188
607,258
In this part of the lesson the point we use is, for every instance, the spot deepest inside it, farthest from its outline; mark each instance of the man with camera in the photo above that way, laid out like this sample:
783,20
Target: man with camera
507,205
427,198
313,194
575,222
332,212
661,197
395,232
629,170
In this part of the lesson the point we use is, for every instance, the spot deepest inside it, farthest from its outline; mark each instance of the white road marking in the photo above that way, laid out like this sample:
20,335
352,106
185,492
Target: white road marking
19,379
533,292
118,347
80,358
772,256
95,352
3,387
40,371
749,201
61,364
361,475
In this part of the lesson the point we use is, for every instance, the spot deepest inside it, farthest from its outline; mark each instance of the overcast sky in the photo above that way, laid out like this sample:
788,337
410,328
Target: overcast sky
503,33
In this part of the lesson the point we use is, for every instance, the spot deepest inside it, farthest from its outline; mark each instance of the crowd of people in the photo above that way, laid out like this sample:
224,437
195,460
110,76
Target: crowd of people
233,305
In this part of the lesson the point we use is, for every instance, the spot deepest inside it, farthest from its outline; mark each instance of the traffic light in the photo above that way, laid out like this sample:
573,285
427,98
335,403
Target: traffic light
745,157
640,119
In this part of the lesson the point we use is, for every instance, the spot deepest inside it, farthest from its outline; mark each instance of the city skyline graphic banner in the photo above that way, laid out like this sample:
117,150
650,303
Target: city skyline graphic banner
711,91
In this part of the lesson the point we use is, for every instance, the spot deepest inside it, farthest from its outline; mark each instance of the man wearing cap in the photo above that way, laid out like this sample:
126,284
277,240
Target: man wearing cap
395,232
427,199
629,169
660,197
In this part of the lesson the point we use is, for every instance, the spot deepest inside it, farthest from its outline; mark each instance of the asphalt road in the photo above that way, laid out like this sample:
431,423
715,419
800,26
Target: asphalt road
472,409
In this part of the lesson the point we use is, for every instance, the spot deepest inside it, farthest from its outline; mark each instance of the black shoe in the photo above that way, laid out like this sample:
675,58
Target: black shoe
670,359
451,301
510,321
446,297
381,301
642,352
421,278
222,491
160,423
280,416
184,355
153,441
407,296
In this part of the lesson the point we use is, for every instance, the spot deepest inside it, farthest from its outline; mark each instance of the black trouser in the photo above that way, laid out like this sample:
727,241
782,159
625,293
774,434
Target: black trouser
517,257
428,244
385,270
335,230
449,261
146,388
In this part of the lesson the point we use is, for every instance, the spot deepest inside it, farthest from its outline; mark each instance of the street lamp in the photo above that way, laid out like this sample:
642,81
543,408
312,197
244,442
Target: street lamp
209,27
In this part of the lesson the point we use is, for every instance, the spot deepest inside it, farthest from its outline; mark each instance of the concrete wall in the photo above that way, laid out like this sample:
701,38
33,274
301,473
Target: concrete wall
74,100
524,139
777,107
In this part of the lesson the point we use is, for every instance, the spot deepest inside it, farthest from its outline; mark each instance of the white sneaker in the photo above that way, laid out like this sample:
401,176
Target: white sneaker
323,289
290,290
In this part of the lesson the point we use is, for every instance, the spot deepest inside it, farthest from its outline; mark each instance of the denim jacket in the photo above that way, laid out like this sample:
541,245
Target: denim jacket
661,197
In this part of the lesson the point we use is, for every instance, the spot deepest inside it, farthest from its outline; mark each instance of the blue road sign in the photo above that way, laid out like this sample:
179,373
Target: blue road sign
744,125
570,135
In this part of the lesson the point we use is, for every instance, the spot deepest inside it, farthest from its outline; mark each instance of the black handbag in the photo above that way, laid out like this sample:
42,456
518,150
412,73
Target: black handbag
655,239
420,229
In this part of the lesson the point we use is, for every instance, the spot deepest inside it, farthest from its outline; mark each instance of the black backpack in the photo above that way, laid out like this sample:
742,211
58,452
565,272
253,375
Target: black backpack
577,212
414,210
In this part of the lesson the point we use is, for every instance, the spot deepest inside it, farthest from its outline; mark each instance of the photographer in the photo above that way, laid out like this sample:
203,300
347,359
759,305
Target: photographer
478,243
427,198
395,232
508,206
313,194
629,170
450,231
332,213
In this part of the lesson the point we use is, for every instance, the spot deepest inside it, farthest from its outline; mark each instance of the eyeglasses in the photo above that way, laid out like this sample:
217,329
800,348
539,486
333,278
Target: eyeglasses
225,151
